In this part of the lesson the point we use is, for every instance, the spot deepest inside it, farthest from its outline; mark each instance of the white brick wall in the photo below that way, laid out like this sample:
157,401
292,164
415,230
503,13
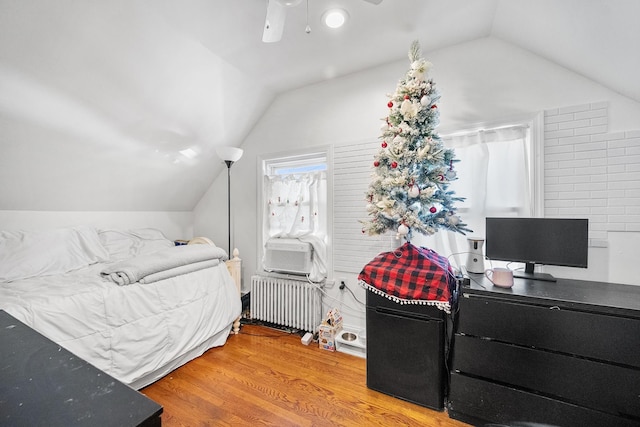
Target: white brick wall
589,172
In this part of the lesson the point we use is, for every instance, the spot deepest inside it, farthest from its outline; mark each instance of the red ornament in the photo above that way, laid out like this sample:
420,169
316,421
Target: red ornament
394,165
384,144
434,106
407,97
390,104
376,163
432,209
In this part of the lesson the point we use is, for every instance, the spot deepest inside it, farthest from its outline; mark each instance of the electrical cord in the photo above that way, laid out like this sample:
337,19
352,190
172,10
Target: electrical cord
467,252
473,279
344,286
342,303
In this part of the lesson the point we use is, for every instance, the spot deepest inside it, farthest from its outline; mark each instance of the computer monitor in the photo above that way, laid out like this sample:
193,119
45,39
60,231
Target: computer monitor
550,241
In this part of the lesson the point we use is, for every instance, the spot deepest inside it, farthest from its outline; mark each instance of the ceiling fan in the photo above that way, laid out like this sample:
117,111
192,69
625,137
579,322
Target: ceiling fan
276,16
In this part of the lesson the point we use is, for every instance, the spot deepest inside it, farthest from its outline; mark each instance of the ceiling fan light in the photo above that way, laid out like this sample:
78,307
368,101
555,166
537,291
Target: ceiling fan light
335,18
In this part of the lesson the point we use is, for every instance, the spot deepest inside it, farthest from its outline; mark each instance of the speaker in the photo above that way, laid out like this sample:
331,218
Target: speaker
475,258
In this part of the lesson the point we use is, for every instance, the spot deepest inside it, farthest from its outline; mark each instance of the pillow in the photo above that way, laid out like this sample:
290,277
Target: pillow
128,244
25,254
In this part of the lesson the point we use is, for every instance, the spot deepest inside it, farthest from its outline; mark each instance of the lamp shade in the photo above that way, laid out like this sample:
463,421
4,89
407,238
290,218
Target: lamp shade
229,154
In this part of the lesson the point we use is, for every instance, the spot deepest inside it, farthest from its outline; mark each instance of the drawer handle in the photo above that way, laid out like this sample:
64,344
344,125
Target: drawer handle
405,314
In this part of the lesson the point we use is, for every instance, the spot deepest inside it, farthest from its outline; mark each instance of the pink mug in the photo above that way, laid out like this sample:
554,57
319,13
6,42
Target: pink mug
501,277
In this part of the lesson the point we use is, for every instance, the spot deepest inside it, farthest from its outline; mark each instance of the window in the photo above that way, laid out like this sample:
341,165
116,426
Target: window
295,203
500,174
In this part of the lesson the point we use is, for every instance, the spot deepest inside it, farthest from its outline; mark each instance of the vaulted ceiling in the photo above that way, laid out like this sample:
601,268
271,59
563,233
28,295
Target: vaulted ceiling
119,104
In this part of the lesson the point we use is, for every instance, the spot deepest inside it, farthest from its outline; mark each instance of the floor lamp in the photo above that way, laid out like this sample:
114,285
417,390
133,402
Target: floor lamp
230,155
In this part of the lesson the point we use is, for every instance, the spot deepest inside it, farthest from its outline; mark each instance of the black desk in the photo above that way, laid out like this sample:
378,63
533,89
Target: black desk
42,384
560,353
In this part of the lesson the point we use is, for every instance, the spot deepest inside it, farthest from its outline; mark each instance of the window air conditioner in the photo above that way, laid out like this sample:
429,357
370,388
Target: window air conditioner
288,256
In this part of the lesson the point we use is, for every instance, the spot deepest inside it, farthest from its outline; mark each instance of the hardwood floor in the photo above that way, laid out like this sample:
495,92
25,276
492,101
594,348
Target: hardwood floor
267,377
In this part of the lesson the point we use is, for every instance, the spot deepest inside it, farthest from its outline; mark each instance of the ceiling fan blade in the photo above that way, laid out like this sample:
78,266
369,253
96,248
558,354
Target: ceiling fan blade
274,24
374,1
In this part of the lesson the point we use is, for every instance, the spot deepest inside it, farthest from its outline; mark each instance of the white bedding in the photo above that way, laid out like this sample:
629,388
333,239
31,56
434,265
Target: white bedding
136,333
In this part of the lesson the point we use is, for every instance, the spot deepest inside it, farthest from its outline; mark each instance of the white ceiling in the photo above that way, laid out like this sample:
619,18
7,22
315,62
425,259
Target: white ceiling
98,97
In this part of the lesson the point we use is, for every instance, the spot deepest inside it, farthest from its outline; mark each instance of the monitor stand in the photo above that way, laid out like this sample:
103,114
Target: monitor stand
531,275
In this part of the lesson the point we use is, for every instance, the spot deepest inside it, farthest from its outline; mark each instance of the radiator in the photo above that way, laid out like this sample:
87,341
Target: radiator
286,302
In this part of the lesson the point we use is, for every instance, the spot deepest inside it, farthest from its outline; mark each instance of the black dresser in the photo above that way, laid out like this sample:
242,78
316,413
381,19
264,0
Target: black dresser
42,384
563,353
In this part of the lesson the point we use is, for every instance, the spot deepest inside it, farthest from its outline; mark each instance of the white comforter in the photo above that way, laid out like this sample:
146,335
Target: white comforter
136,333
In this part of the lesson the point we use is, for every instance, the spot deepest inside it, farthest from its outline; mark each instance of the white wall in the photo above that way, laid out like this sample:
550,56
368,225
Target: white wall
484,80
174,225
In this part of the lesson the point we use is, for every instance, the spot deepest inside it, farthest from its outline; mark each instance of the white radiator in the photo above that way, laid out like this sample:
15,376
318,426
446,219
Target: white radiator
286,302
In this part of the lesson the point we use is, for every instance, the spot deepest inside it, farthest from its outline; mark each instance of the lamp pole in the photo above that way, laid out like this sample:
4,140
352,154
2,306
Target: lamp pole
229,163
229,155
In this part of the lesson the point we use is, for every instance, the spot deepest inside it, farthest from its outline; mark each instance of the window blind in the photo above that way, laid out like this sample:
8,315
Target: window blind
352,249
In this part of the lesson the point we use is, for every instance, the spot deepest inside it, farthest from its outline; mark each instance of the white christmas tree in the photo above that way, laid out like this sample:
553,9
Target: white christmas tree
412,170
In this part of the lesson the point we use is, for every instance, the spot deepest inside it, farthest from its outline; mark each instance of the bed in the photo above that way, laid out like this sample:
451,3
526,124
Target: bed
79,287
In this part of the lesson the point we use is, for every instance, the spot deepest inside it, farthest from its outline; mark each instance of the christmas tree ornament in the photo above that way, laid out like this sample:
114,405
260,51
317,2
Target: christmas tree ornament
397,150
408,109
418,168
398,140
428,192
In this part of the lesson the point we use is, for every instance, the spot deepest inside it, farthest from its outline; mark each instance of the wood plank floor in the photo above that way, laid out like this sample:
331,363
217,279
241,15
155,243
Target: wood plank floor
267,377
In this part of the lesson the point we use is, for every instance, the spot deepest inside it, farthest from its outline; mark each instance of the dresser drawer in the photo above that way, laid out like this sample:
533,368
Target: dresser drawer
477,402
597,385
593,335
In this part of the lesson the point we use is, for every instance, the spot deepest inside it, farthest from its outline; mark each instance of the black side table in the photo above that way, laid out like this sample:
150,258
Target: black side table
42,384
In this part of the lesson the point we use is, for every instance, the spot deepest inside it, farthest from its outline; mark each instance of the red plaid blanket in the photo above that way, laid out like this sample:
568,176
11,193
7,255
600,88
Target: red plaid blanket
411,275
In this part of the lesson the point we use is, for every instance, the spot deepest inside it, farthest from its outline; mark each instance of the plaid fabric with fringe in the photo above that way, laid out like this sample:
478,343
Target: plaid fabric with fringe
411,275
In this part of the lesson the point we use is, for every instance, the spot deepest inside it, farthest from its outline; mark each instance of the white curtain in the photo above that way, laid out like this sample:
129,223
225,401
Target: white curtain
294,208
494,177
